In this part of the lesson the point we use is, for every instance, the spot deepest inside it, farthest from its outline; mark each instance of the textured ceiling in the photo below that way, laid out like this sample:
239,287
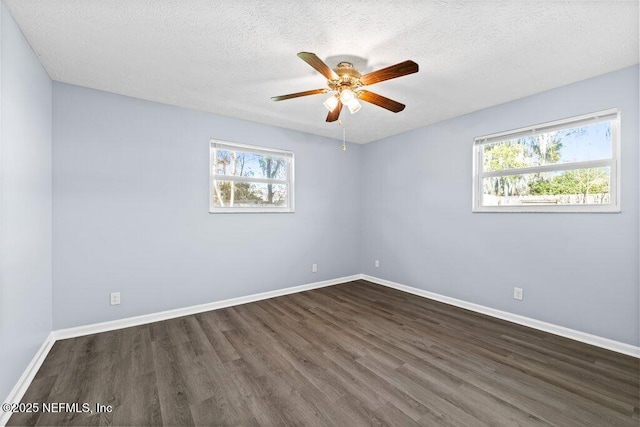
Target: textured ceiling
229,57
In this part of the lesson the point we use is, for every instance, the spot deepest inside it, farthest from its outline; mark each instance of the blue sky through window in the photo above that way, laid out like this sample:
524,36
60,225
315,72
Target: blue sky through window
590,142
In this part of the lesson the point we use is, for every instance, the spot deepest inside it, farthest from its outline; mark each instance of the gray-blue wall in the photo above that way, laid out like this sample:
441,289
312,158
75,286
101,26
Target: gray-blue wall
131,213
25,204
577,270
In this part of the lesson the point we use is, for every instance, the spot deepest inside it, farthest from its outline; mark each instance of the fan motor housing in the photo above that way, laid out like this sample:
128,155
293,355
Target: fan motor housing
349,77
346,69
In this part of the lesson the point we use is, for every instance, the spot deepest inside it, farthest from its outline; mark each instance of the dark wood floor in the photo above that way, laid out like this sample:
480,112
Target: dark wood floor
351,354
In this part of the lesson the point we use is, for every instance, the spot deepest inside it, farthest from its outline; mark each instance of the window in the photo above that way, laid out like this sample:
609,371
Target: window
570,165
250,179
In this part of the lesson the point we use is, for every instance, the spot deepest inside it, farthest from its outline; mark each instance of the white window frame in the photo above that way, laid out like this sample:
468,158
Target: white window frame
612,115
215,144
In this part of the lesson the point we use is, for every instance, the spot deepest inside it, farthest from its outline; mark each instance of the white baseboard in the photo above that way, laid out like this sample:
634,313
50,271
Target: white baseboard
584,337
185,311
29,373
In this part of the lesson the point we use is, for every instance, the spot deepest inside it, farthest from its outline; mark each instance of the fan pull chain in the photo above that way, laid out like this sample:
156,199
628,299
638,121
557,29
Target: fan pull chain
344,143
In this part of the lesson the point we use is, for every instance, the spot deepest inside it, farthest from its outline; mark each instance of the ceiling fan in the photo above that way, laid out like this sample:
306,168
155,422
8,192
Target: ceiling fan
346,84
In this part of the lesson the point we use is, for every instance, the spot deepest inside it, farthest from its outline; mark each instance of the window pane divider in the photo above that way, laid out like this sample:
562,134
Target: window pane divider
249,179
549,168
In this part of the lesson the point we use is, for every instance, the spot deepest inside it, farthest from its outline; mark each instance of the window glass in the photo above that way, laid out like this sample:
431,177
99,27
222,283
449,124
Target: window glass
250,179
565,166
575,144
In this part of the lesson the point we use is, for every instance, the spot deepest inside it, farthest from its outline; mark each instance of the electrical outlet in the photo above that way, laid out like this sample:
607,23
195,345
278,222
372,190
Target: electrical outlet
377,263
314,268
115,298
517,293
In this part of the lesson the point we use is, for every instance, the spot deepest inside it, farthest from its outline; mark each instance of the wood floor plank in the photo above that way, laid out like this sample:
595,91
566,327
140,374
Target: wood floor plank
215,336
351,354
171,383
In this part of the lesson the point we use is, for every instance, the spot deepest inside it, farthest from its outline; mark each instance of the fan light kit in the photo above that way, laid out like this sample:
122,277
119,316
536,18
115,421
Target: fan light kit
346,85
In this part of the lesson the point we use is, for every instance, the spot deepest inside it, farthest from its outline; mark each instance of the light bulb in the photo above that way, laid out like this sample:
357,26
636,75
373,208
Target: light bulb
331,103
354,106
346,96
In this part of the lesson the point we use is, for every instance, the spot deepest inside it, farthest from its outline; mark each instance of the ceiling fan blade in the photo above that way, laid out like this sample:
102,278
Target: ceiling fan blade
392,72
321,67
298,94
333,115
381,101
